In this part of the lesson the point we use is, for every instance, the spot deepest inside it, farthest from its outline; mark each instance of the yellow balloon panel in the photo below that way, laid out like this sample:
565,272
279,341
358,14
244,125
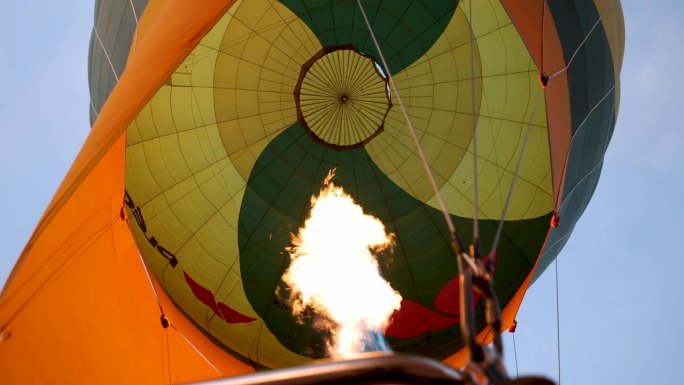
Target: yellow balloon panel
256,74
437,90
190,151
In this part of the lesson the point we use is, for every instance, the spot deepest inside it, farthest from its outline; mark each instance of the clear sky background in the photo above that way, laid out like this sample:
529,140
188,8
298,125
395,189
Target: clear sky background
620,277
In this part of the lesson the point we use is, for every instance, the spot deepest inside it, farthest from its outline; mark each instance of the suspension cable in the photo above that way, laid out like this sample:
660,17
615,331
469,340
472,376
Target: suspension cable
135,34
149,280
109,60
476,205
196,350
135,14
515,354
516,174
165,322
593,27
93,108
455,241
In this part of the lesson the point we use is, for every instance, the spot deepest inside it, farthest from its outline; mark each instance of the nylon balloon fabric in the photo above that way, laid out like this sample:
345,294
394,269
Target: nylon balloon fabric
215,125
223,160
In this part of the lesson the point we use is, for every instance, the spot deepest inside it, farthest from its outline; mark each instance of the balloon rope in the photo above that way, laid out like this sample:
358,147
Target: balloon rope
572,139
196,350
135,36
455,242
558,324
515,354
149,280
560,71
557,73
579,183
93,107
559,240
591,111
135,15
476,204
106,54
516,174
161,309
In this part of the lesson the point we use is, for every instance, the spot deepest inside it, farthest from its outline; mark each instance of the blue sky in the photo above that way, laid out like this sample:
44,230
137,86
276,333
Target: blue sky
620,275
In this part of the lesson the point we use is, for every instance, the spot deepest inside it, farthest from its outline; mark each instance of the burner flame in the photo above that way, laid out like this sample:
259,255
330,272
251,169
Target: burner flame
334,271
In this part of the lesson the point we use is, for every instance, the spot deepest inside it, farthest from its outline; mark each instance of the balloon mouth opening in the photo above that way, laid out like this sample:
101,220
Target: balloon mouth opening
342,97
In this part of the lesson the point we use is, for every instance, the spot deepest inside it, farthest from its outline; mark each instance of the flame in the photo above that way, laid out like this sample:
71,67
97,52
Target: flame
334,271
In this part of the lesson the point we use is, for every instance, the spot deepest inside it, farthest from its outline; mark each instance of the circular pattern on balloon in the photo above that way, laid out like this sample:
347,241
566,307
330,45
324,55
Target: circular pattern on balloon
222,162
342,97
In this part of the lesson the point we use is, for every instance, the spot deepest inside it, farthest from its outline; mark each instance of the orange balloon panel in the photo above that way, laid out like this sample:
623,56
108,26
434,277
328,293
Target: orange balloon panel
78,306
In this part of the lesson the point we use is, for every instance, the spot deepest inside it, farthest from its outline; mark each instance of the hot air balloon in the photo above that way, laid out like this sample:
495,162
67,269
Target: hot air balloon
161,255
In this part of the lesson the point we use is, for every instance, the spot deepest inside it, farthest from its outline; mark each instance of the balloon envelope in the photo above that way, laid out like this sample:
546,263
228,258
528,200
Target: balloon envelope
230,115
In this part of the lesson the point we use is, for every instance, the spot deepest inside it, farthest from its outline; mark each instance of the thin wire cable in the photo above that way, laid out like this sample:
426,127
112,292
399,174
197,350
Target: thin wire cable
499,230
135,14
557,73
610,90
196,350
476,204
515,354
419,148
149,280
558,324
161,309
572,139
576,51
560,71
572,191
548,248
106,54
156,295
135,35
93,107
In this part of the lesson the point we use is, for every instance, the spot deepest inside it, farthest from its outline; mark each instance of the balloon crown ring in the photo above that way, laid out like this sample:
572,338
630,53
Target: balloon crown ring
342,97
